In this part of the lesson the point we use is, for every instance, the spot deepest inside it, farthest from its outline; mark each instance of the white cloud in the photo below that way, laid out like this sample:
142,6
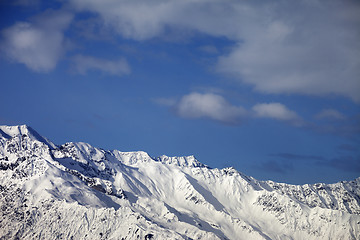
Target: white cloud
304,47
276,111
133,19
211,106
83,64
330,114
38,44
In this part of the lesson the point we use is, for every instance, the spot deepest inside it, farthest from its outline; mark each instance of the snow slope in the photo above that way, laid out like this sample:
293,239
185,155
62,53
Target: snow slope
77,191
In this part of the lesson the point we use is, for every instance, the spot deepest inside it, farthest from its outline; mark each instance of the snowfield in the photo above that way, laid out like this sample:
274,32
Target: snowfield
77,191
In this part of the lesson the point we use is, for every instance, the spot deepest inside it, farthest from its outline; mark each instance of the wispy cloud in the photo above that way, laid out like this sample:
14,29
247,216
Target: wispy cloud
345,163
285,161
276,111
291,156
275,166
330,114
84,64
349,147
215,107
40,43
346,126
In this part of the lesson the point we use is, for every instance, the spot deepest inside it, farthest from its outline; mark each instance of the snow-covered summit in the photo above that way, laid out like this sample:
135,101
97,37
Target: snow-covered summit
77,191
8,132
185,161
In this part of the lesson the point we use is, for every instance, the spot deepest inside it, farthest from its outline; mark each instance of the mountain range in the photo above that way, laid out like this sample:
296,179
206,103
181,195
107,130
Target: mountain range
77,191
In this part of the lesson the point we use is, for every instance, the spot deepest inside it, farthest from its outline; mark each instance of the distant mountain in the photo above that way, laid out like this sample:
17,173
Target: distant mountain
77,191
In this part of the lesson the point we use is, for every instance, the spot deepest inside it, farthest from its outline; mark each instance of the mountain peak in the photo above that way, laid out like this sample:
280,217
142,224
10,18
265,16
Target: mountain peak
8,132
76,190
13,131
184,161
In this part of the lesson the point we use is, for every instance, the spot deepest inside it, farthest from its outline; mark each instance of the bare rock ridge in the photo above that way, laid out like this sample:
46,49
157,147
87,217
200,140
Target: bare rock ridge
77,191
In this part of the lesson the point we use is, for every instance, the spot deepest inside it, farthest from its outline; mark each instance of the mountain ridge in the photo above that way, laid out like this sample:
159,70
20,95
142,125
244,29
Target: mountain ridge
169,197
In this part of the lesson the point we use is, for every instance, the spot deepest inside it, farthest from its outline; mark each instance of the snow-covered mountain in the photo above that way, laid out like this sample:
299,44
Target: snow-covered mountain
77,191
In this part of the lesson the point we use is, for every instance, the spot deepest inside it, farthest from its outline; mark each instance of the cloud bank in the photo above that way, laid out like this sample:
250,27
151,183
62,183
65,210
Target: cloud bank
304,47
281,47
83,64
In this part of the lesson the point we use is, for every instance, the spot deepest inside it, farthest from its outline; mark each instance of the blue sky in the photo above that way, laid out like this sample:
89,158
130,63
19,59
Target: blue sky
271,88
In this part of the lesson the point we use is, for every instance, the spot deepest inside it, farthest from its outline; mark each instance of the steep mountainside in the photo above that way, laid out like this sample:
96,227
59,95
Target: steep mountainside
77,191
